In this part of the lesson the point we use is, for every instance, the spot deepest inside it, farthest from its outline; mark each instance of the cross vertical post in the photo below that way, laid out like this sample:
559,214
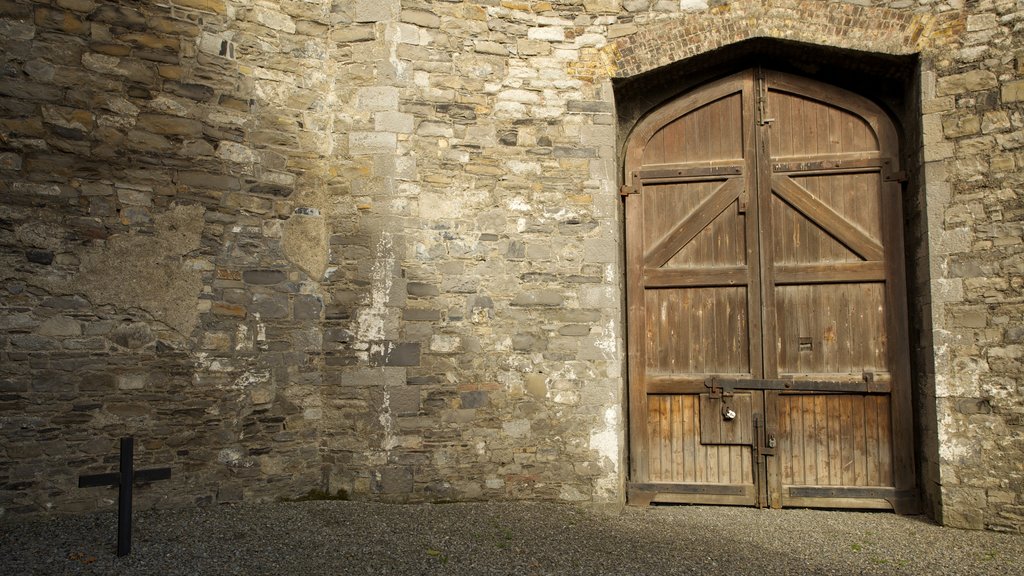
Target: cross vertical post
124,496
124,479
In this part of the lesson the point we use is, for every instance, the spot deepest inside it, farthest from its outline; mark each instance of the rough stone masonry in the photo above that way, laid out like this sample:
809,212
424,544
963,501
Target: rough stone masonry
373,247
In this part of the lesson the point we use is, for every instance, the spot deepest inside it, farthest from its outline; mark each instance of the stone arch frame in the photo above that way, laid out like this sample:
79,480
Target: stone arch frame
845,45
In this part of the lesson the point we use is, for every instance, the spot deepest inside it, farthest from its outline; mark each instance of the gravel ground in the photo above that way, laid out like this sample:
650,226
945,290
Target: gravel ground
502,538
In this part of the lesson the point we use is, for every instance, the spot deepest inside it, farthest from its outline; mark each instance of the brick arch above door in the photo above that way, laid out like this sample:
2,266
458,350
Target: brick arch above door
835,24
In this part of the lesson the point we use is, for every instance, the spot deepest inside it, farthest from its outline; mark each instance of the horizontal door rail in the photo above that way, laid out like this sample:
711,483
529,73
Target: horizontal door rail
867,385
688,171
696,277
720,489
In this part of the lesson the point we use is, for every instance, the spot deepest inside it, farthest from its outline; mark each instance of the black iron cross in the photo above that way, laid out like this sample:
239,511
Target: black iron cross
124,479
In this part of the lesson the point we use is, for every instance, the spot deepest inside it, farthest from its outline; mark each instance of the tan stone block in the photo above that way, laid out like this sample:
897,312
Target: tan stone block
110,48
604,6
60,20
954,125
152,41
973,146
1011,141
532,47
421,18
516,5
215,6
967,82
996,121
1013,91
1002,163
171,71
77,5
169,125
935,105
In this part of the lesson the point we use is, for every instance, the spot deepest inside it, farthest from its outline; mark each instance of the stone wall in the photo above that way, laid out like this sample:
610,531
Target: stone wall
373,246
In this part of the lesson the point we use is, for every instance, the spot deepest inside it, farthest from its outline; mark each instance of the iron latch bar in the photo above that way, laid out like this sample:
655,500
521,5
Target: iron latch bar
716,389
719,387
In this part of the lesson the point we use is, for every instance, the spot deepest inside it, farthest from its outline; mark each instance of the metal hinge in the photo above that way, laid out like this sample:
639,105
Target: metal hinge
762,101
627,190
890,175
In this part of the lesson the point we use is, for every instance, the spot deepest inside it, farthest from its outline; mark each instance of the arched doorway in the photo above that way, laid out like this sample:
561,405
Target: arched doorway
768,347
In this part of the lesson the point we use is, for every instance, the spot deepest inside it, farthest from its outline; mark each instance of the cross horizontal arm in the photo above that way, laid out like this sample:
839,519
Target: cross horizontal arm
152,474
108,479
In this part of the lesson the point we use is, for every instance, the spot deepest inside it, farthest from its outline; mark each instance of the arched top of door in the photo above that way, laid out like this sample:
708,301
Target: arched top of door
868,111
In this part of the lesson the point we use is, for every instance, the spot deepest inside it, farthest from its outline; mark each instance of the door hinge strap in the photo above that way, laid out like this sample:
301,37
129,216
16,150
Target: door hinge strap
627,190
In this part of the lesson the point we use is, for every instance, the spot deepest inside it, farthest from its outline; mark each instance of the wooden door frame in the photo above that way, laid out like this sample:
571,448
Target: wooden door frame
895,289
636,143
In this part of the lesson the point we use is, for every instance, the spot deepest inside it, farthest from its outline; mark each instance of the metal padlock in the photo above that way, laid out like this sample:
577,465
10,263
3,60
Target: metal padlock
728,413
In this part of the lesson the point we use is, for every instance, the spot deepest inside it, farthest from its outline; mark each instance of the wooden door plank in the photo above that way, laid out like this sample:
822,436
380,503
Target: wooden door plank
835,431
826,218
636,356
873,469
685,231
689,439
821,435
846,448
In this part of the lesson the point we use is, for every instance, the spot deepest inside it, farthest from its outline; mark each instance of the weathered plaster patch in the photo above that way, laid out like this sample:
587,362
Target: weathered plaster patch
149,272
606,442
305,243
371,319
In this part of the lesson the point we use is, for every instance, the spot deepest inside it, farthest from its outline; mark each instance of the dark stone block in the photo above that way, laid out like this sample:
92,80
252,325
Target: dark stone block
392,481
404,400
44,257
460,113
230,493
307,307
973,406
475,399
589,106
267,189
421,315
207,180
516,250
270,306
421,289
340,360
395,354
337,335
32,342
421,380
538,298
264,277
480,302
574,330
508,138
97,382
337,313
574,152
528,343
191,91
120,16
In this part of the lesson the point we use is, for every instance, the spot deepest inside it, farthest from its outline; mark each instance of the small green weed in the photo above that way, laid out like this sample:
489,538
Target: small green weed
316,495
441,556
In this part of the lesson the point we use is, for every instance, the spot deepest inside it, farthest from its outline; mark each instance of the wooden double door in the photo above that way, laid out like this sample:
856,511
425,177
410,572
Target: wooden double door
766,308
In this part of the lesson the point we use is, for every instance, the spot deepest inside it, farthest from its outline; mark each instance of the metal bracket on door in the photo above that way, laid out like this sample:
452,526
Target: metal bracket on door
715,389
